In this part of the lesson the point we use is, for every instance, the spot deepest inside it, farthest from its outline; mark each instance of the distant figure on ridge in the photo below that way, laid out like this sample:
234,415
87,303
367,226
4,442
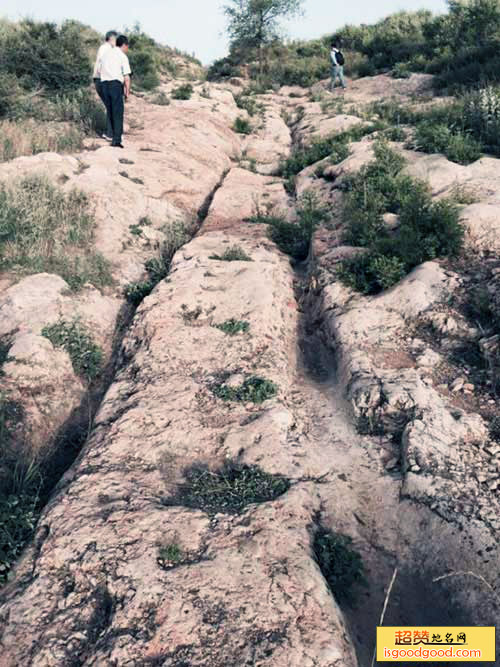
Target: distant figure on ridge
338,61
114,72
103,49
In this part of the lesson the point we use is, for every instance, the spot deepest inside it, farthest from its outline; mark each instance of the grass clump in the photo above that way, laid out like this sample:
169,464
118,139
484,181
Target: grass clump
248,103
19,507
335,146
426,230
340,564
294,238
242,126
170,556
161,99
232,327
86,357
45,229
253,390
183,92
230,489
157,268
234,253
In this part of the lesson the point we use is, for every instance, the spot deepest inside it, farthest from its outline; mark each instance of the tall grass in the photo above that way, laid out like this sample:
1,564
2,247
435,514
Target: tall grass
43,228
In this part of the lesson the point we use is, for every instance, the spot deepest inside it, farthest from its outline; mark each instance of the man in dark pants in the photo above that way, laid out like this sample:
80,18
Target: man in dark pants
115,74
103,49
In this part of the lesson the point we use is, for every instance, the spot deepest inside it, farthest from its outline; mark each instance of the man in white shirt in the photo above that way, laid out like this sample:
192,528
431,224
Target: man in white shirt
114,72
103,49
337,59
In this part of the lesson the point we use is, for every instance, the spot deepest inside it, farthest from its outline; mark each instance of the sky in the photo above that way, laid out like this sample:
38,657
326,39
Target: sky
197,26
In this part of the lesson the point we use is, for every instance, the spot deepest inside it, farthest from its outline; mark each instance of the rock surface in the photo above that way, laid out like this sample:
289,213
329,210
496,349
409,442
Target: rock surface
418,492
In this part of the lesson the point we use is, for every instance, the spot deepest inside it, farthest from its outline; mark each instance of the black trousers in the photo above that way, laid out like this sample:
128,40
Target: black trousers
98,87
115,107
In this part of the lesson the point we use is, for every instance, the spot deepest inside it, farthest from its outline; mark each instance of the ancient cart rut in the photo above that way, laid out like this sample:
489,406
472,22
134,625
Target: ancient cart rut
93,590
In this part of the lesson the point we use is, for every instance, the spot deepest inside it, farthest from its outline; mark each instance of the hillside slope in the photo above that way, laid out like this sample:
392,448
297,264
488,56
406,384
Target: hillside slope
262,444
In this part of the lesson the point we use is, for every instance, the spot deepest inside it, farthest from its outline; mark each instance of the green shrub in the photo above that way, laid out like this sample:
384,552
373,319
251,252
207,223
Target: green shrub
426,230
439,138
340,564
481,116
43,55
247,103
74,337
135,293
321,149
230,489
395,134
253,390
183,92
234,253
242,125
232,327
45,229
401,71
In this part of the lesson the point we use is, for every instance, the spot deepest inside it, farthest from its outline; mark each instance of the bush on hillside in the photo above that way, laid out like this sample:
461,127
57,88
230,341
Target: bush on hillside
44,55
426,230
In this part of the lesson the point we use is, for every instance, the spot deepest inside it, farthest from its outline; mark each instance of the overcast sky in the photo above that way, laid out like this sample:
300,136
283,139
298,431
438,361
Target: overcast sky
197,26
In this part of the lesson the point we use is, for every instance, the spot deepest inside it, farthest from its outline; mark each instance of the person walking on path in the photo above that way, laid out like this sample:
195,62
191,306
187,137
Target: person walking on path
103,49
337,58
114,72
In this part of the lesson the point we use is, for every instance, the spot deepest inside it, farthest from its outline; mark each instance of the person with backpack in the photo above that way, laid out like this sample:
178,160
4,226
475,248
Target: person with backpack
338,60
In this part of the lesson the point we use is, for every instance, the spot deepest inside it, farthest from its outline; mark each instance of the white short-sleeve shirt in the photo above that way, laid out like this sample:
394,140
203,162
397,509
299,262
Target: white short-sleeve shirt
103,49
115,65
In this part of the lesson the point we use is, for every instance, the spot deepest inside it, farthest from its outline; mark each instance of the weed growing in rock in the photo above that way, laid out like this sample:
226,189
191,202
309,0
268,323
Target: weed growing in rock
253,390
45,229
242,126
19,495
294,238
323,148
230,489
183,92
170,555
340,564
233,327
426,230
135,293
158,267
75,338
248,103
234,253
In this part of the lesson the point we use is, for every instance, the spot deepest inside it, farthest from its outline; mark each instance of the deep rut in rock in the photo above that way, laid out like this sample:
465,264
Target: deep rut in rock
363,500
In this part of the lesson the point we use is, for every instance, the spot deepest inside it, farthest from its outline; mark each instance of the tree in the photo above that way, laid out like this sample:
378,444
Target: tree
254,23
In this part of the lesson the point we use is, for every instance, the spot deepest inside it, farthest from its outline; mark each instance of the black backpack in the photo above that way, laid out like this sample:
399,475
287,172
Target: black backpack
339,57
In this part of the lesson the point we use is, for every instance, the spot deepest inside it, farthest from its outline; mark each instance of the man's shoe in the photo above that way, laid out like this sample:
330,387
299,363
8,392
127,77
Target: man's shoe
117,145
105,136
